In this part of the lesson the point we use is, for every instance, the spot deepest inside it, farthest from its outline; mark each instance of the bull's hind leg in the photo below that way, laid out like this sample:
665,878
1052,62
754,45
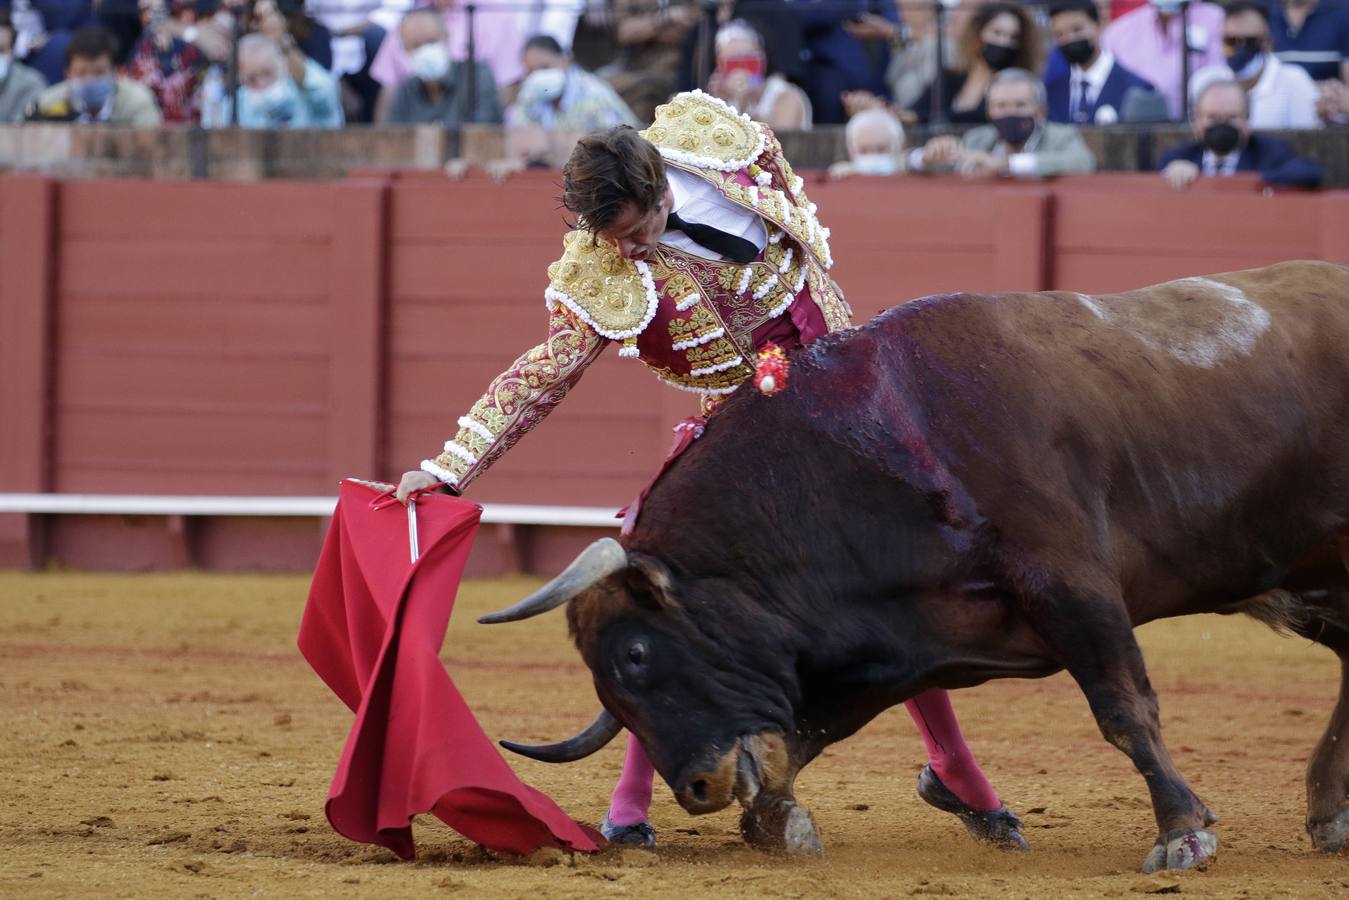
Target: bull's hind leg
1328,777
1093,638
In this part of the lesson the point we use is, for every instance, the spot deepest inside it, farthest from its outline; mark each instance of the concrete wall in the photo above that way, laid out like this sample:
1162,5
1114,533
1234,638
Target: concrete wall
271,338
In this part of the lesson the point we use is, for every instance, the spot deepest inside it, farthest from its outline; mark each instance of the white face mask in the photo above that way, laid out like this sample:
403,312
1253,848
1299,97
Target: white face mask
431,62
543,86
876,164
274,101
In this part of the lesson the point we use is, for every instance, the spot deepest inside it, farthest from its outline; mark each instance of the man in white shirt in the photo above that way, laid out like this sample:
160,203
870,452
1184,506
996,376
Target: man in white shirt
1096,86
1280,95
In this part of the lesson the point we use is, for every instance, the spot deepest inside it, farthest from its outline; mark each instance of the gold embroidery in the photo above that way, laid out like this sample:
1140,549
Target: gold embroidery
605,286
700,126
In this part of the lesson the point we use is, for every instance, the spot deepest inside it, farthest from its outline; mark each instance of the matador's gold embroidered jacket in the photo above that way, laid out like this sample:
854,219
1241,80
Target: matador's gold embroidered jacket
691,320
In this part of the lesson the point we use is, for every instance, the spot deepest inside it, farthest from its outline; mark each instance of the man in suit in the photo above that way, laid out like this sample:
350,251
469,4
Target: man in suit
1094,87
1224,145
1019,141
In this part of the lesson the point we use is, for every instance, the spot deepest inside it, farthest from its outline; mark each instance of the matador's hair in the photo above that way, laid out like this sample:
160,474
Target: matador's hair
608,169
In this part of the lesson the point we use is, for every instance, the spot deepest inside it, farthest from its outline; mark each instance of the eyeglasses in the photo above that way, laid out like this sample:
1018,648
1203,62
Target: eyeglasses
1237,43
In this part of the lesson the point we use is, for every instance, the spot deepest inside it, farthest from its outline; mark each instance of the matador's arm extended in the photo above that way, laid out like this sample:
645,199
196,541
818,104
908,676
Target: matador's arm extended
518,399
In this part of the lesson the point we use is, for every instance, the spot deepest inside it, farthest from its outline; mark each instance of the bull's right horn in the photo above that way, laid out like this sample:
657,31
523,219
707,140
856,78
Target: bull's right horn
598,733
596,563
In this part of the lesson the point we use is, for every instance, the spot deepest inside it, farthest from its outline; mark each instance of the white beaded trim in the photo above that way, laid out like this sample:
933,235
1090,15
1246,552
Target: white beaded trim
444,475
800,282
708,162
688,301
775,237
744,280
764,288
455,449
719,367
797,183
694,342
652,302
629,352
782,307
697,390
764,178
786,261
477,428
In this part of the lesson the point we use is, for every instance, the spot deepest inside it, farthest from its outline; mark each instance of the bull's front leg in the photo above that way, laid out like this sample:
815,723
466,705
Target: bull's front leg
1094,639
765,786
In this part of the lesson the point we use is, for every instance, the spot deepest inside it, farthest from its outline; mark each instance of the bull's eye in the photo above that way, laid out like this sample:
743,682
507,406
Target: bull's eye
637,654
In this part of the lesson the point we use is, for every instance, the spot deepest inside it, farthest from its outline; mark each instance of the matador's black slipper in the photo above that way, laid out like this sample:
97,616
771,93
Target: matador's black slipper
999,827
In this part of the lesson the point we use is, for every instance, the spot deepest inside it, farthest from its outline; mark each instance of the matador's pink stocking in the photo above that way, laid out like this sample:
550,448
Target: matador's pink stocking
951,759
631,801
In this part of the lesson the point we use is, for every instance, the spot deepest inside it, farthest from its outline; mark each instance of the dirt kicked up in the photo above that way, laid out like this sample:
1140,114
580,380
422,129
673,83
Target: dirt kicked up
163,738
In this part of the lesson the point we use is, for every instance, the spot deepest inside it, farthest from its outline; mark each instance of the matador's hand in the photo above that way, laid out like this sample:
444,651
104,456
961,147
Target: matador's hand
413,481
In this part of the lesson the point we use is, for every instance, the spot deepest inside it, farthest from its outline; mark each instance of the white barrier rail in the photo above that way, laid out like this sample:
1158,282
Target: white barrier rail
173,505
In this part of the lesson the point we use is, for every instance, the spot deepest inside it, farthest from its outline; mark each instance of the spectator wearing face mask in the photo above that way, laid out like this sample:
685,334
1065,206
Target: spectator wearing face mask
998,36
1147,42
1019,142
1280,95
875,141
558,94
1094,88
742,80
167,64
283,88
19,85
92,92
437,93
1224,145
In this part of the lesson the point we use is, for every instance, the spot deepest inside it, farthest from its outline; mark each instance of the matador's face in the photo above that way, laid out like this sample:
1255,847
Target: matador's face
636,231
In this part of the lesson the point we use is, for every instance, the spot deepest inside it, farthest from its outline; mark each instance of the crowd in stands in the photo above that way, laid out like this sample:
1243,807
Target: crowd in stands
1026,76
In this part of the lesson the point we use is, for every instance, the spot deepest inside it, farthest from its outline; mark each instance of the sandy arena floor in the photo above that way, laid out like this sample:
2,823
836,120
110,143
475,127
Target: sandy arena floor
164,738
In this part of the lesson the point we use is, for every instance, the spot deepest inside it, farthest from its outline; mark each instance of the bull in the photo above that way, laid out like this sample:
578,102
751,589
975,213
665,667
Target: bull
974,487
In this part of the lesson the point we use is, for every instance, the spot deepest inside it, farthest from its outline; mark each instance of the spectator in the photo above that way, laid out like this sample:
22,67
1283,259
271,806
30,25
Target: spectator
1278,95
913,60
92,92
356,38
996,37
496,44
550,18
44,29
742,80
1018,141
1094,88
438,91
1313,34
1224,145
1147,42
283,88
286,22
167,64
846,48
875,145
557,93
19,85
649,34
775,21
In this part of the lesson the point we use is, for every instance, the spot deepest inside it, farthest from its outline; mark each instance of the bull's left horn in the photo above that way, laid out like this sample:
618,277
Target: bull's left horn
600,732
596,562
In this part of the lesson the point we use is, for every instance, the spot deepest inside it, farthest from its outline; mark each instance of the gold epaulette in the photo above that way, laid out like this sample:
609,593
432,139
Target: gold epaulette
613,295
700,130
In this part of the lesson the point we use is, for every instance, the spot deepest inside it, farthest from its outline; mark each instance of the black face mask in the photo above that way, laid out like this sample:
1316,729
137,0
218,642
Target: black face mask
1241,57
1077,52
998,57
1015,130
1222,138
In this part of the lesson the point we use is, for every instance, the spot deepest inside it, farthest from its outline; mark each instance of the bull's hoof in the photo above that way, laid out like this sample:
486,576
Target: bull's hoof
1330,835
999,827
1181,850
640,835
781,826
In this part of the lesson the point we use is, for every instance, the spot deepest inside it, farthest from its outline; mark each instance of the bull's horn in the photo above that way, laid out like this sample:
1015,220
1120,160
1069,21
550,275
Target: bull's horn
596,562
600,732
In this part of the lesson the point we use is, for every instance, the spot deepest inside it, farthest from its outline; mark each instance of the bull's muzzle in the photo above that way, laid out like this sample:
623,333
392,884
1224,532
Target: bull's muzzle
756,763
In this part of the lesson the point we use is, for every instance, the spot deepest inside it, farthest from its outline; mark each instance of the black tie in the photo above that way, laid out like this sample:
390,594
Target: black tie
736,249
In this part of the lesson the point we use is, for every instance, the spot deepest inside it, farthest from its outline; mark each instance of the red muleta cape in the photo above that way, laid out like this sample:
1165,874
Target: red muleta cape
372,630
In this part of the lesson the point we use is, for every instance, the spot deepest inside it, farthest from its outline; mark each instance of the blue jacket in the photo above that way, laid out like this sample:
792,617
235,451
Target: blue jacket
1059,86
1273,157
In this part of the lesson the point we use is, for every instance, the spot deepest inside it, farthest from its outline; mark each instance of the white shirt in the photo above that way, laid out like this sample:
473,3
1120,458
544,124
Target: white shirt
1284,96
1213,164
697,201
1095,77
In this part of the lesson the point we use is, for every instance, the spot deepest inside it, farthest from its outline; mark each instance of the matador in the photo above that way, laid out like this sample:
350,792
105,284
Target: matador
696,246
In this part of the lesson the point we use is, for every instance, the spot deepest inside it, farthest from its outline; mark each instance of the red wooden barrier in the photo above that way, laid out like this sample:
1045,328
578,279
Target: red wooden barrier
270,338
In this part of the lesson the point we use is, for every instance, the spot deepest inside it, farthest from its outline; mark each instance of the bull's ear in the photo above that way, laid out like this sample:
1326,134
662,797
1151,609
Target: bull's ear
649,582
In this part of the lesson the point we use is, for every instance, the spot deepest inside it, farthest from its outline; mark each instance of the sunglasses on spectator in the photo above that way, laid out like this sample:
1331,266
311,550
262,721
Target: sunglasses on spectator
1237,43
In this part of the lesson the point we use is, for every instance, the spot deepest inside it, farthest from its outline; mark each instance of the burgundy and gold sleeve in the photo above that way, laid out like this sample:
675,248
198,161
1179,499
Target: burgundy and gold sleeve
518,399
